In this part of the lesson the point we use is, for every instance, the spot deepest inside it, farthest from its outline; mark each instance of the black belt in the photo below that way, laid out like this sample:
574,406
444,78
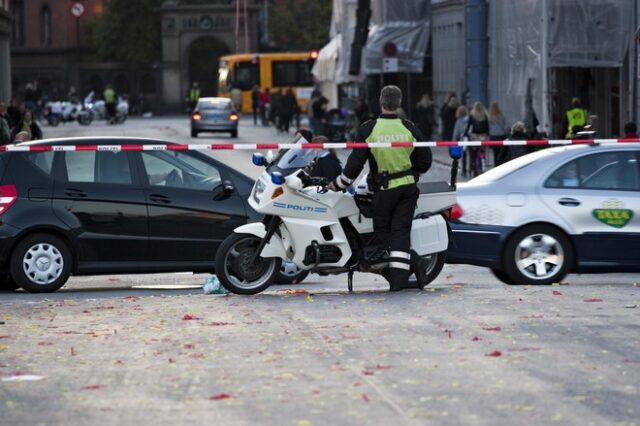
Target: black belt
381,180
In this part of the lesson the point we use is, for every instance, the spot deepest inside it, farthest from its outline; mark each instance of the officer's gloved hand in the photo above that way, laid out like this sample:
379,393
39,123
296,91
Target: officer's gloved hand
333,187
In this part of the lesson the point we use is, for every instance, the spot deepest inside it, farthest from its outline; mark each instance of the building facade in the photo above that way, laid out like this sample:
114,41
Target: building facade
5,55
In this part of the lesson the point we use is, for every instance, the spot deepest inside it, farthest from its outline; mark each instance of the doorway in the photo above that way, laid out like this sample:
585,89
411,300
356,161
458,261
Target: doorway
203,64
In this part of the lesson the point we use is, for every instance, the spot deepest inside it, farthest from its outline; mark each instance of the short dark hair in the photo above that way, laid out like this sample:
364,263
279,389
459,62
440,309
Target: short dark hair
630,127
390,97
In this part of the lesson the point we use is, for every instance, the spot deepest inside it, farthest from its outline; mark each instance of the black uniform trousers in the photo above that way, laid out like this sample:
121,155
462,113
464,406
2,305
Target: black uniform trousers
393,211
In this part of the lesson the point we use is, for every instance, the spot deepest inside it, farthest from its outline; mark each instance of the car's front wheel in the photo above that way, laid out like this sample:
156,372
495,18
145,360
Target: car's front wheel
41,263
538,254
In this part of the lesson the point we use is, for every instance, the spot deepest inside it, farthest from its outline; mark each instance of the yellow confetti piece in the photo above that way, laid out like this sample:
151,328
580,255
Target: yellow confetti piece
309,299
11,404
430,289
444,295
304,423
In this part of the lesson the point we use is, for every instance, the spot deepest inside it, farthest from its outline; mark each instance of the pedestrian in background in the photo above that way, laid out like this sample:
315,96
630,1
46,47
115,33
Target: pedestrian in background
576,116
276,109
14,113
5,130
236,99
426,116
255,103
265,103
459,134
448,116
194,96
287,109
478,130
29,126
497,129
630,130
508,153
320,115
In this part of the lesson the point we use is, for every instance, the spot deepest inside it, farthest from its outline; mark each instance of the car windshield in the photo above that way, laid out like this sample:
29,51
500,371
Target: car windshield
509,167
289,160
215,105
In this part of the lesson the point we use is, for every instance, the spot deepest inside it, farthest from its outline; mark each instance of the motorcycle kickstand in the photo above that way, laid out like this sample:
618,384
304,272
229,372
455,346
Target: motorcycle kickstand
350,280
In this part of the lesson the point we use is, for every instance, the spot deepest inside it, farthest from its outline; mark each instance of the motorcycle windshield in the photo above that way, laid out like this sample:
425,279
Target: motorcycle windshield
289,160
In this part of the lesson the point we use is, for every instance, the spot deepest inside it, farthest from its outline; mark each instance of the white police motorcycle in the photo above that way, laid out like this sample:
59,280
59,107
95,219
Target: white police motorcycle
322,231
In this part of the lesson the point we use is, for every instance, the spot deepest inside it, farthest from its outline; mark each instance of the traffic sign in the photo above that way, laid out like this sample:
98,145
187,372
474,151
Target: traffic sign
77,9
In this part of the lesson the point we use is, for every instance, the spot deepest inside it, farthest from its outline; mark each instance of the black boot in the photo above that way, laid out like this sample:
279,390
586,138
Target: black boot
419,267
398,279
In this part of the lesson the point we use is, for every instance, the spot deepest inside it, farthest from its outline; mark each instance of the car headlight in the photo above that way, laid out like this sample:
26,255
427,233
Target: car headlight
259,190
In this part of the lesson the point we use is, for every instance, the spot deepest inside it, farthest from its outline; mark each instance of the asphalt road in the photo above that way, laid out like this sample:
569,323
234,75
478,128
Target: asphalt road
467,350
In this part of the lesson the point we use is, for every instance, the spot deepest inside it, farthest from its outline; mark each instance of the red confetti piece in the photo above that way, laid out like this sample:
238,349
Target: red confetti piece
131,298
219,396
365,397
92,387
219,323
498,328
367,372
72,351
171,360
494,354
556,293
382,367
188,317
188,346
475,338
45,343
86,311
449,333
299,291
315,392
5,337
594,300
630,361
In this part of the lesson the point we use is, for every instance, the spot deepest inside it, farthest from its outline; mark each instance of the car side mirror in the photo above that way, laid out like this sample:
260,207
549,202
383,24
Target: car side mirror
224,190
269,156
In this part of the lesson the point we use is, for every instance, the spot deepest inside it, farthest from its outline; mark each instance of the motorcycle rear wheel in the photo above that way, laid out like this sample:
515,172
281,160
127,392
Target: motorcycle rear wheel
237,272
433,267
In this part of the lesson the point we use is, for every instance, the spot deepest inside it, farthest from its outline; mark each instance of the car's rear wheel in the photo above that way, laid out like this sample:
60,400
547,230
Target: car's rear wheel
502,276
290,274
41,263
538,254
236,269
7,283
194,133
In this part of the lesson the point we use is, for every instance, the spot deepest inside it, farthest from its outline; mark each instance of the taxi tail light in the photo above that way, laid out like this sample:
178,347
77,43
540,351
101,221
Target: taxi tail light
8,196
197,116
454,213
234,116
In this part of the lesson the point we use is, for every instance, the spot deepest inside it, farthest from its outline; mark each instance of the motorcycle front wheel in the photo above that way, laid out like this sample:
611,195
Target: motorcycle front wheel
85,119
236,270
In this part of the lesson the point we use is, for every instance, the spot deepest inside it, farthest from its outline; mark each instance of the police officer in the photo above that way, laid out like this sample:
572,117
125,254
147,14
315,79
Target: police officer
393,173
110,103
576,116
194,95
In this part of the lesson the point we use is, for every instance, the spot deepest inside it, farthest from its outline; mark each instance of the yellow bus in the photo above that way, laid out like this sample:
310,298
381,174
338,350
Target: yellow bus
275,71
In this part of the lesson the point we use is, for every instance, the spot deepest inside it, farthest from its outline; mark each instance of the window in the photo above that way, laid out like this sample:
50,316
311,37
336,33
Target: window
291,73
17,29
220,105
98,167
608,171
45,26
42,160
179,170
247,75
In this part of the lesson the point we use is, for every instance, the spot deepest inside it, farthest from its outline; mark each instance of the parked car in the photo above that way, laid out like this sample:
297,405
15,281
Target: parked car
214,115
552,212
106,212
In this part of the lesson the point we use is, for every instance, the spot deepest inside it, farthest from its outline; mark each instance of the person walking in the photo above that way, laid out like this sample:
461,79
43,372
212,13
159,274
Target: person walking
497,129
478,130
459,133
265,104
426,116
320,115
393,173
448,116
28,126
194,96
110,103
630,130
576,117
508,153
287,109
255,103
5,130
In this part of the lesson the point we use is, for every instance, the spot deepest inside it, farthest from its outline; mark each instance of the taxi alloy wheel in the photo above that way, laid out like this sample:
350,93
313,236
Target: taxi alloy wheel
41,263
538,254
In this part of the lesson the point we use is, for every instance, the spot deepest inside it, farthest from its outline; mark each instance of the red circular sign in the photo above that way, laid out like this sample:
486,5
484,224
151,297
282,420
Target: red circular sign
77,9
390,49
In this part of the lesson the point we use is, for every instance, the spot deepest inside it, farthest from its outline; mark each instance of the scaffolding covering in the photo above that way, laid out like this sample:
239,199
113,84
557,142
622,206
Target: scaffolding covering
580,33
403,22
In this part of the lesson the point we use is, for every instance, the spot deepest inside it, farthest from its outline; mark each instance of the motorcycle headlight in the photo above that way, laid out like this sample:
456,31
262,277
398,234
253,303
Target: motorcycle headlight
259,190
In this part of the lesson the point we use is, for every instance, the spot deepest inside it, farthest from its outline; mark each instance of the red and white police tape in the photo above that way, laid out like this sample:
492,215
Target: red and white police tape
335,145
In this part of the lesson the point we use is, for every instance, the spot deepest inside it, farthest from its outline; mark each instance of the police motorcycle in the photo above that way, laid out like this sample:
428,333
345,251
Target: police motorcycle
98,108
323,231
66,112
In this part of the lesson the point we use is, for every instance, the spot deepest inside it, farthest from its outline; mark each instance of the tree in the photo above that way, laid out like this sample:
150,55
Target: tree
129,31
300,24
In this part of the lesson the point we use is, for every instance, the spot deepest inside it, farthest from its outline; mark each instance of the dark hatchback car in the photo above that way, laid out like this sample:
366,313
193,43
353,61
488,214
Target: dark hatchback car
107,212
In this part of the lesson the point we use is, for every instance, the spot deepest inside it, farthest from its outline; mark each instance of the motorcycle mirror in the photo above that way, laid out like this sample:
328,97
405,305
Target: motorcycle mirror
259,160
455,152
269,156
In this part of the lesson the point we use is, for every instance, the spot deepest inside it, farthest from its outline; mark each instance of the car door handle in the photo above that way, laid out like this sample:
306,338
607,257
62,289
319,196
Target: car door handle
570,202
161,199
76,193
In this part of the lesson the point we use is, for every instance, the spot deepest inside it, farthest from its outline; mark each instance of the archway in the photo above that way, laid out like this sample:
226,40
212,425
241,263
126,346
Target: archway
203,63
